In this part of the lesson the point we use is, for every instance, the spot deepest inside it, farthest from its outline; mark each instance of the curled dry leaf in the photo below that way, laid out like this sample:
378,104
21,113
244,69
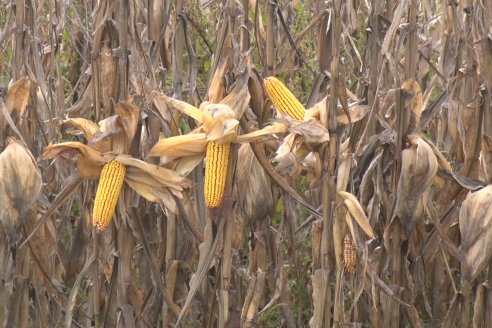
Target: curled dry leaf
216,87
238,98
304,138
312,133
441,160
475,221
89,160
151,174
81,125
180,146
162,100
107,128
159,102
20,184
355,110
267,130
356,211
128,115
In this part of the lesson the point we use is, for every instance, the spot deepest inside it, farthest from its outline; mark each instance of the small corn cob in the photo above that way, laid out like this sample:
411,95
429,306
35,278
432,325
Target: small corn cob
108,192
216,162
283,99
349,254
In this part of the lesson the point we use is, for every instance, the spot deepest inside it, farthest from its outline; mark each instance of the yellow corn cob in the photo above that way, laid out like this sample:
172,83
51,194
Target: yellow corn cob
283,99
349,254
108,192
216,162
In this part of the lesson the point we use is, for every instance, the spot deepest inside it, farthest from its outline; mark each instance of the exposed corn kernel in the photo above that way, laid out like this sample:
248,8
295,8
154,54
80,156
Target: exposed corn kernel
349,254
216,163
283,99
108,192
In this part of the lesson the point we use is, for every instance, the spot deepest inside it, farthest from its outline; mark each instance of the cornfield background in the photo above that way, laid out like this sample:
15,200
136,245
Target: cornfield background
377,210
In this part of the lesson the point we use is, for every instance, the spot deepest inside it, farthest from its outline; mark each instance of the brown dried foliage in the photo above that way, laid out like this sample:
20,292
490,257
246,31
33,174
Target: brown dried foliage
375,211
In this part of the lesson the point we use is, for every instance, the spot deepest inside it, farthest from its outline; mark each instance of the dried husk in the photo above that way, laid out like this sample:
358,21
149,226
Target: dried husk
419,167
18,97
475,222
253,187
356,212
413,100
20,185
108,77
304,138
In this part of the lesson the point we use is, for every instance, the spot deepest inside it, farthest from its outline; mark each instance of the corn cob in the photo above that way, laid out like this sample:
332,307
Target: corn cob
349,254
283,99
108,192
216,162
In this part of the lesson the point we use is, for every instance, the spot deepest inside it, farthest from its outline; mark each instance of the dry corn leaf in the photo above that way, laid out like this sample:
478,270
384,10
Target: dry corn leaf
355,110
475,222
441,160
108,127
216,87
182,106
153,193
171,148
148,173
255,135
87,127
312,133
185,165
238,98
20,184
253,298
160,103
357,212
128,115
70,150
18,97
